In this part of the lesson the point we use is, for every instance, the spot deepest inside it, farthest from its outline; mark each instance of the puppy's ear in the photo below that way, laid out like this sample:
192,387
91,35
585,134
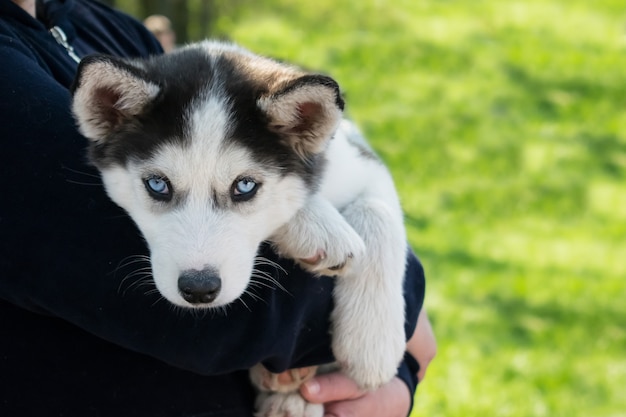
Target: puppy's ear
108,92
305,112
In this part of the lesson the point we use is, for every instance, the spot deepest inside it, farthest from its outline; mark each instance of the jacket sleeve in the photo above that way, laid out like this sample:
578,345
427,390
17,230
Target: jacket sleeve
67,251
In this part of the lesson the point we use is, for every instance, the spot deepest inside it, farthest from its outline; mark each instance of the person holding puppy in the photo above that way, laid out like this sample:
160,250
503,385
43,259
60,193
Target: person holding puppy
73,267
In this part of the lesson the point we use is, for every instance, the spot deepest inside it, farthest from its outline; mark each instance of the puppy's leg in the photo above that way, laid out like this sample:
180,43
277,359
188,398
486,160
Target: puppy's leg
368,319
319,233
280,398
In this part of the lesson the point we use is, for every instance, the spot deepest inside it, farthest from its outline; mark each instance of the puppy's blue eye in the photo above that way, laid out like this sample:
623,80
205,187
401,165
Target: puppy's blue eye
158,187
245,186
244,189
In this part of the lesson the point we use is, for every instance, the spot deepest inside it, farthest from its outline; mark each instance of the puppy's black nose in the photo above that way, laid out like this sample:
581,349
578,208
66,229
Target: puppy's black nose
199,287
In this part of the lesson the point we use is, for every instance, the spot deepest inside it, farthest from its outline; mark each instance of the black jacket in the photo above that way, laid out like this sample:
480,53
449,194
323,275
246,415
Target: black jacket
83,335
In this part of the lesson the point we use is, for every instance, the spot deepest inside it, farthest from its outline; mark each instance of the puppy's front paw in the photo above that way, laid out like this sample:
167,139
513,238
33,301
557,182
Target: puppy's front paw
320,240
286,405
336,252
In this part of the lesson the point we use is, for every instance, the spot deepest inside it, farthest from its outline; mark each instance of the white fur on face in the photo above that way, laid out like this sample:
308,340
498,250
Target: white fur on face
202,227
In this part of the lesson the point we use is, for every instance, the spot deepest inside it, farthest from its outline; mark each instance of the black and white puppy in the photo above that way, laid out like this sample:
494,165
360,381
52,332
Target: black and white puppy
212,150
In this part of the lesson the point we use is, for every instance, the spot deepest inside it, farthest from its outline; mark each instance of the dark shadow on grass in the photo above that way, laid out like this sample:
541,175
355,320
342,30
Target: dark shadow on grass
606,152
420,223
579,87
524,320
464,259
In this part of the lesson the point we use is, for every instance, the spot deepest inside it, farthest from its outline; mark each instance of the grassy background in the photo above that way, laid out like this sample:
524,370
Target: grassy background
504,124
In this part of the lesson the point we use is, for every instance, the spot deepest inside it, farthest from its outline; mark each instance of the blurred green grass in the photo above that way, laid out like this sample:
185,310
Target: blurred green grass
504,125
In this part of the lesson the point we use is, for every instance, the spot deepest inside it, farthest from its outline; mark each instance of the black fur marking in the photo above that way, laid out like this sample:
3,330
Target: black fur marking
317,79
183,76
163,120
252,129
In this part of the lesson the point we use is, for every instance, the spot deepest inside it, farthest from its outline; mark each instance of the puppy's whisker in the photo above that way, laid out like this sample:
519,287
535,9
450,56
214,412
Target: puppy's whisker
142,282
254,296
129,260
250,291
140,277
158,300
86,174
261,260
264,276
261,284
89,175
223,310
147,271
88,184
244,303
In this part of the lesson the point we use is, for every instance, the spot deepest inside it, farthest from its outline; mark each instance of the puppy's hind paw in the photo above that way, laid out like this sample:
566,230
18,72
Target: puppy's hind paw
288,381
286,405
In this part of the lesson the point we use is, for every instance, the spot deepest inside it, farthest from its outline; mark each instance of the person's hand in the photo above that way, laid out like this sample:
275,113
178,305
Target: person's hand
342,398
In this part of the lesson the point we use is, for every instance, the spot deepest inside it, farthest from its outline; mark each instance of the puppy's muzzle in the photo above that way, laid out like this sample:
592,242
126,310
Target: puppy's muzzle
199,287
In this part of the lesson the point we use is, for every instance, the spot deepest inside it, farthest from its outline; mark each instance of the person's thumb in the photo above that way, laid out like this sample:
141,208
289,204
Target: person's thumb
330,387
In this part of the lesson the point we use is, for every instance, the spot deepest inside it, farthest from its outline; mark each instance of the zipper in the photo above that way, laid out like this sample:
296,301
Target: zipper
61,38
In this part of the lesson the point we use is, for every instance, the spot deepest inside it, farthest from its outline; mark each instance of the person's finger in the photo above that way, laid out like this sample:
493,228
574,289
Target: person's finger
391,400
330,387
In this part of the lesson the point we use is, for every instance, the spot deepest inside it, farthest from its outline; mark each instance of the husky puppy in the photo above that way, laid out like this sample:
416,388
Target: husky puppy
213,150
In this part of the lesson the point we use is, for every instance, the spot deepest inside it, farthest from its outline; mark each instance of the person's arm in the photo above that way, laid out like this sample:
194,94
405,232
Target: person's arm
422,345
68,251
